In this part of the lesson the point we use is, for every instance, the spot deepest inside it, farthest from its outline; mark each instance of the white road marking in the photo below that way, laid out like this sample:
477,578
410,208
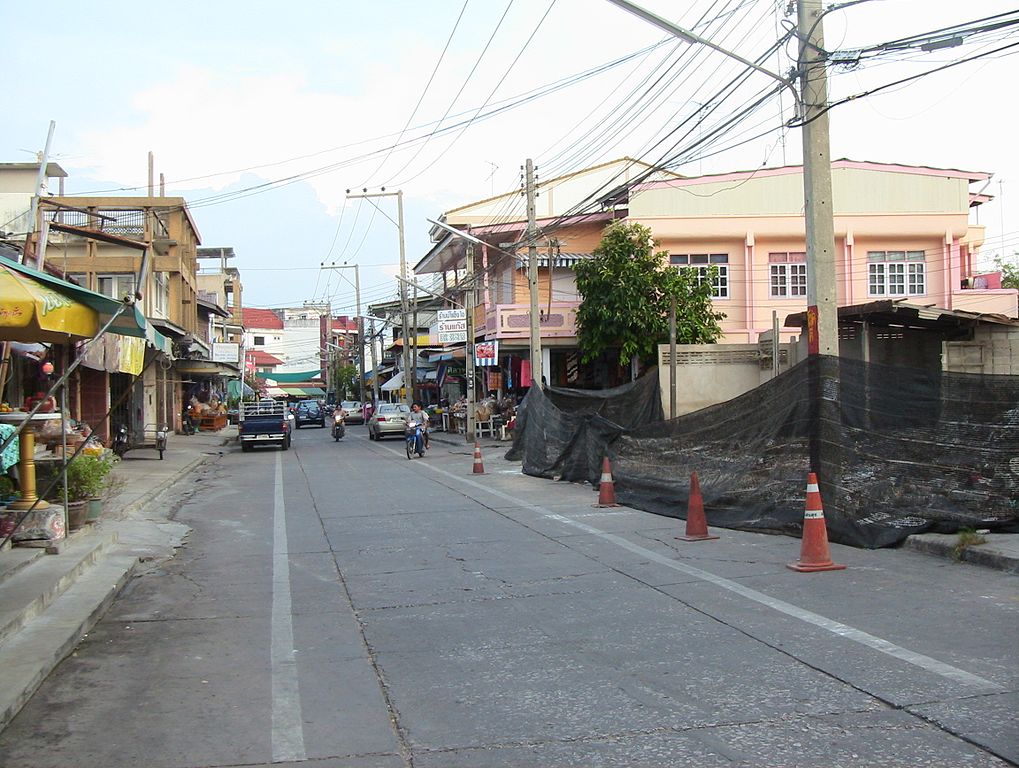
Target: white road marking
837,628
287,722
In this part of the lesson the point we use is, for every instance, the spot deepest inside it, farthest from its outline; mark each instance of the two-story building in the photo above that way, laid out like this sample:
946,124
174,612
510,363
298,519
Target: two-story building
901,232
121,246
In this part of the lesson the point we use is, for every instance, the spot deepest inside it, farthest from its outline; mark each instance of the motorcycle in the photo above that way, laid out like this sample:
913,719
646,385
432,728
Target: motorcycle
415,441
339,426
187,424
122,440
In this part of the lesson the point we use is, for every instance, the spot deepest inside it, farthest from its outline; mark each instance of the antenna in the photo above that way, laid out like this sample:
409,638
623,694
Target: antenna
491,176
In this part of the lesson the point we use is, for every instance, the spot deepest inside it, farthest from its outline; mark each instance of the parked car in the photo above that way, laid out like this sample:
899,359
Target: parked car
355,411
388,420
309,412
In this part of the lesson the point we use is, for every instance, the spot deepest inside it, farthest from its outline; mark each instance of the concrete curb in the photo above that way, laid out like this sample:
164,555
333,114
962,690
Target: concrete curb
943,545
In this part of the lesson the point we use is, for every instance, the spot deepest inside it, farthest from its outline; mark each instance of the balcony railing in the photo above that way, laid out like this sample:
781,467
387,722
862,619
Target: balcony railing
513,321
118,222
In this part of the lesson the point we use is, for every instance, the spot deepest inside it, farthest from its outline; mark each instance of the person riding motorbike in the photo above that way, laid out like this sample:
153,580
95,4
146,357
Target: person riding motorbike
418,416
339,422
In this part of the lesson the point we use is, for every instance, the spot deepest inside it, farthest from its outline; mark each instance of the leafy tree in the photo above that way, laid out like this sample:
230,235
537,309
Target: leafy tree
1009,271
345,380
627,292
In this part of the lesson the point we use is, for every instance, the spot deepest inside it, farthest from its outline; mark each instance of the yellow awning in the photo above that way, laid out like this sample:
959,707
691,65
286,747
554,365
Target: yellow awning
32,311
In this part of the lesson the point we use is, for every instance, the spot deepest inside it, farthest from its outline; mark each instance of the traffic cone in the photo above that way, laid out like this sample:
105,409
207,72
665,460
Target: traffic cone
479,467
814,554
606,488
696,523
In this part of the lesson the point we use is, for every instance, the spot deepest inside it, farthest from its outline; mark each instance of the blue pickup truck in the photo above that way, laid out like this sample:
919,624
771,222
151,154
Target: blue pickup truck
265,422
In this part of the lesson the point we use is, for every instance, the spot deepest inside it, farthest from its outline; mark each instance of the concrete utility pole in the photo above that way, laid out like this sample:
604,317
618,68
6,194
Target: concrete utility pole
375,369
360,323
822,300
469,308
822,305
469,358
403,282
532,278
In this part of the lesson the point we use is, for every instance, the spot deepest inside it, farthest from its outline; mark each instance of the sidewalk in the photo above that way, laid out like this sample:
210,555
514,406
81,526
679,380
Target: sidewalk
999,551
48,602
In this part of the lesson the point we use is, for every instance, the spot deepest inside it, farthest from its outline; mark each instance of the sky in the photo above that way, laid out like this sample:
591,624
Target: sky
265,118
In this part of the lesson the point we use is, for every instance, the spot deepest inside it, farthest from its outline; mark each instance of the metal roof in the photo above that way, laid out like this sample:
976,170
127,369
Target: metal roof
892,312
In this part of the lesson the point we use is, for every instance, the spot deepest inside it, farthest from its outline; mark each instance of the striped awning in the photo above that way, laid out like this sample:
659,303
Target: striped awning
562,259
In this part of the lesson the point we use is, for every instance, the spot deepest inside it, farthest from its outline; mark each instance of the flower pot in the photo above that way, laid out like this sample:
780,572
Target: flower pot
95,509
76,511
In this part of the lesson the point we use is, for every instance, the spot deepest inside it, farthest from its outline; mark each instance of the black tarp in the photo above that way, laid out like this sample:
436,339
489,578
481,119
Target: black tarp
905,450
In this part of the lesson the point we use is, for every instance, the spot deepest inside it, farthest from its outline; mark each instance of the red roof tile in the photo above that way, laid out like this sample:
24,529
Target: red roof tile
258,357
260,318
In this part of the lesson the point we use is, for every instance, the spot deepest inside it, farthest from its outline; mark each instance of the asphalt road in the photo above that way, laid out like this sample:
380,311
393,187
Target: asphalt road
339,605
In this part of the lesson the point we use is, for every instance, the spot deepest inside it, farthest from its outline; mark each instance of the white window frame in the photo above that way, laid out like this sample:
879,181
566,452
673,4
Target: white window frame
161,294
702,262
122,284
787,275
896,273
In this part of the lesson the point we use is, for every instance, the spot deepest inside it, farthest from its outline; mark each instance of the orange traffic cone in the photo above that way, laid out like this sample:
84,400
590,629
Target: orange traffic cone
696,523
479,467
606,488
814,555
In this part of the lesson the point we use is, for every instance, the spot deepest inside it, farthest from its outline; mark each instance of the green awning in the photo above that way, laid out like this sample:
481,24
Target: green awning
303,391
301,377
130,323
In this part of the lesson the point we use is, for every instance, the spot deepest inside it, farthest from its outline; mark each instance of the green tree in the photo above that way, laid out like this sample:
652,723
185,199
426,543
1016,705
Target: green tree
627,291
1009,271
345,381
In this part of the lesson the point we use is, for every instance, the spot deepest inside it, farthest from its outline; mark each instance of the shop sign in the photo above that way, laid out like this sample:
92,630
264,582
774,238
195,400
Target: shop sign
225,352
452,326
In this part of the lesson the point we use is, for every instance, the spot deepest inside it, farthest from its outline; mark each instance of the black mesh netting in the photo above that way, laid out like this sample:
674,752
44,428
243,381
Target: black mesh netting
906,451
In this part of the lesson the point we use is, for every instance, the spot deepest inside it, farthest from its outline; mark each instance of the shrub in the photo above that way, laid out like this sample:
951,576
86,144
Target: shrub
87,477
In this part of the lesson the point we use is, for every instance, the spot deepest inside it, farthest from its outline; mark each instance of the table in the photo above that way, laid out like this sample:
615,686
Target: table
26,464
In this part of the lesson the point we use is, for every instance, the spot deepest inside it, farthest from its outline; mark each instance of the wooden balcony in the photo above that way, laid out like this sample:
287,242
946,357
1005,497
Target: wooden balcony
513,321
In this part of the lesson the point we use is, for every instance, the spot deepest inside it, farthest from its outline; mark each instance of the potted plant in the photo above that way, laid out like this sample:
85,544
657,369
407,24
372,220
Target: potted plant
86,482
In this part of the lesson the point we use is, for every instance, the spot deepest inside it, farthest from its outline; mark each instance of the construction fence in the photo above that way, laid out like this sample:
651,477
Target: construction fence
898,451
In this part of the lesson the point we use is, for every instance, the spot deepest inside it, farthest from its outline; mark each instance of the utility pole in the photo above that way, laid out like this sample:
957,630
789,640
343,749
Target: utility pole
469,358
375,370
414,347
822,304
403,282
820,229
360,324
532,279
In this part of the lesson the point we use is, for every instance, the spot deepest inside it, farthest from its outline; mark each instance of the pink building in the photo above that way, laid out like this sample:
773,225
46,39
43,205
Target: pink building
902,232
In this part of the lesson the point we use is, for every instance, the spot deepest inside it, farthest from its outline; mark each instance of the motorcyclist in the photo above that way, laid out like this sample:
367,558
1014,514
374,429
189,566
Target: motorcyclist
338,414
416,416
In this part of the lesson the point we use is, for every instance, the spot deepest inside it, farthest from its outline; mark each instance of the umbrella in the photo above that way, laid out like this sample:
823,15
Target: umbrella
33,311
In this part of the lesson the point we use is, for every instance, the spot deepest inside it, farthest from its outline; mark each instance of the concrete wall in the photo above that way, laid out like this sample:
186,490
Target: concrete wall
708,374
993,350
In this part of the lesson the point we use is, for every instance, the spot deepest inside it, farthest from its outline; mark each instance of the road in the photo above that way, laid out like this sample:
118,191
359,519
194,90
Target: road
339,605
